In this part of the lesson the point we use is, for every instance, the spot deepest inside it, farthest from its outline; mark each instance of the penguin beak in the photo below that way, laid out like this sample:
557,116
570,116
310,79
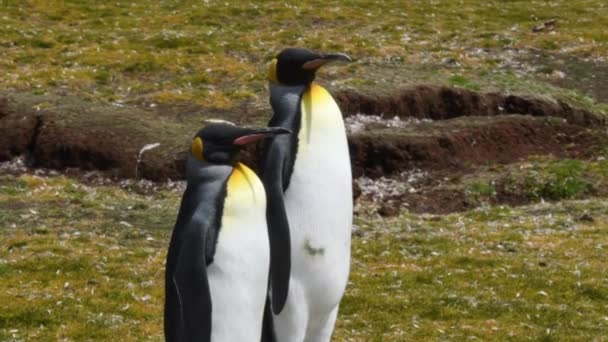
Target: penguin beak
253,135
324,59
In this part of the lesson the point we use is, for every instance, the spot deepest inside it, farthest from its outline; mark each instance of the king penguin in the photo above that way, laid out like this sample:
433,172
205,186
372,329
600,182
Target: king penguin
308,180
217,265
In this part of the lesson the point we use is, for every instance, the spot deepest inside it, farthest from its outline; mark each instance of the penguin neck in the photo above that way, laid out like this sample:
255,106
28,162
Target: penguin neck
285,102
206,184
199,172
286,88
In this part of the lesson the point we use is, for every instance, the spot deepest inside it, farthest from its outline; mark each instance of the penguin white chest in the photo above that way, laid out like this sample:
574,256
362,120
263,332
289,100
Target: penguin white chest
319,199
239,274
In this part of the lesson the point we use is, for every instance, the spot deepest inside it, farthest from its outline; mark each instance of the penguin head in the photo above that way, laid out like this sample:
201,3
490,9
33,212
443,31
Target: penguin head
219,143
297,66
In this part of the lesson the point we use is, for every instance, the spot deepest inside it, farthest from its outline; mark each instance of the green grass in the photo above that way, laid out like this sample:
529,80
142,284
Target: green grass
555,180
86,263
463,82
215,53
538,178
563,180
477,191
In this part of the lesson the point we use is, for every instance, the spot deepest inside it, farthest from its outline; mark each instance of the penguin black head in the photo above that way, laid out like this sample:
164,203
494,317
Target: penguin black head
297,66
219,143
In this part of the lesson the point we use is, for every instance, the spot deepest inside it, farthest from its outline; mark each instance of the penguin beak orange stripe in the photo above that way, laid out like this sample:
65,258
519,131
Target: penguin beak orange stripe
259,134
314,64
325,58
248,139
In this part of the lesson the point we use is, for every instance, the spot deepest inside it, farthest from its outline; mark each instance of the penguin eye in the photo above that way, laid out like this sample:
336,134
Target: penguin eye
197,148
272,71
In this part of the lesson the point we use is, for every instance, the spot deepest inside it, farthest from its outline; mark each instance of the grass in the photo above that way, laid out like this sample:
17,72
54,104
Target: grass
491,274
479,190
215,53
562,180
82,262
537,179
544,178
462,82
86,263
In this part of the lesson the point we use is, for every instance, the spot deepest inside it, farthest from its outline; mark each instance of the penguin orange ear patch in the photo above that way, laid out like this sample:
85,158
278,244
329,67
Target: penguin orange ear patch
197,148
272,71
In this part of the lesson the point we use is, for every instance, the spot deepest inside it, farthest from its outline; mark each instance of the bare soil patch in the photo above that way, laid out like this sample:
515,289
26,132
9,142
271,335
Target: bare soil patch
454,130
462,143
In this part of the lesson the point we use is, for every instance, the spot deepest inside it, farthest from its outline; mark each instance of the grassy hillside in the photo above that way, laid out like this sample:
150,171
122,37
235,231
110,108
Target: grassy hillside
214,53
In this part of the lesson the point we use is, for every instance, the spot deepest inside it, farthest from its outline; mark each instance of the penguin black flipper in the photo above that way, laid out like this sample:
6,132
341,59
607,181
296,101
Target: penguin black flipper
188,298
192,286
268,333
278,225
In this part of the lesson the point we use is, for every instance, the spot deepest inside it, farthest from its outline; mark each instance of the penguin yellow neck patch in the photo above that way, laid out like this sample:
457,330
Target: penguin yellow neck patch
272,71
245,194
245,200
320,116
242,180
197,148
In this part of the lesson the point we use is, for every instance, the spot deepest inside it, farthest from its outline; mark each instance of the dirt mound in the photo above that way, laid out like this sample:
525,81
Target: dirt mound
114,153
456,145
468,128
440,103
18,128
85,137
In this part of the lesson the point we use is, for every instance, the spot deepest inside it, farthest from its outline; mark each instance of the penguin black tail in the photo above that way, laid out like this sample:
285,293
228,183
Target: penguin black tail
268,334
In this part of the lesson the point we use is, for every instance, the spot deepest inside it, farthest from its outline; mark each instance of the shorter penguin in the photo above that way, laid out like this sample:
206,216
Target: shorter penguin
217,266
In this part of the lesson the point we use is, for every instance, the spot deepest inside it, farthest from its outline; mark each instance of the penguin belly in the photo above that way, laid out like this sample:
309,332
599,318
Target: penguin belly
238,276
318,202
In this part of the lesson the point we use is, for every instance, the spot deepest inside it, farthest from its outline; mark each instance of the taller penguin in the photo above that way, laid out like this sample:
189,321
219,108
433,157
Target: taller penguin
217,267
308,181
